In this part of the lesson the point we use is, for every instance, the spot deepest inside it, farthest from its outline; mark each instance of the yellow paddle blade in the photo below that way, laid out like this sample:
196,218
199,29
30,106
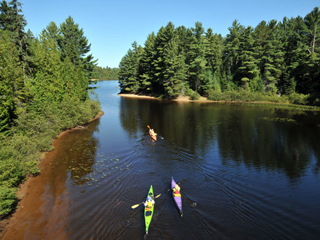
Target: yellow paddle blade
158,195
135,206
148,126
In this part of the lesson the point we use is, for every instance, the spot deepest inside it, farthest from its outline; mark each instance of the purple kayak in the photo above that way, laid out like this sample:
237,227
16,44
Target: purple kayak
177,198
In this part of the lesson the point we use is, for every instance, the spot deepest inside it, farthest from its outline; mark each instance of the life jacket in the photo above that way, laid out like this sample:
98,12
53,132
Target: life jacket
177,194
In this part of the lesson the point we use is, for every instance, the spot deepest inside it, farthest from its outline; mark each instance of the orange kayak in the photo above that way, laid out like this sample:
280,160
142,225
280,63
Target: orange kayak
153,135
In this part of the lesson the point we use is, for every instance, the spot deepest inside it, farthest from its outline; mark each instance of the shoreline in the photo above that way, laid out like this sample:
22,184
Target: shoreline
23,188
179,99
185,99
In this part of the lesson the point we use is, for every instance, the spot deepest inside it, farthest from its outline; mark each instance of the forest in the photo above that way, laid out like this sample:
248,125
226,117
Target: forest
274,62
43,91
105,73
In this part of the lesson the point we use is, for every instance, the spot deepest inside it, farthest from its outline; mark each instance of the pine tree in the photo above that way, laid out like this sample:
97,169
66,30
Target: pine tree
232,51
74,45
128,70
163,38
175,72
213,55
311,60
11,80
248,63
289,38
47,84
269,47
14,22
146,70
197,65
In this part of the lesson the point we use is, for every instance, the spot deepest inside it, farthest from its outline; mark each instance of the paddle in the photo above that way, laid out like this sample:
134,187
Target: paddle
137,205
170,188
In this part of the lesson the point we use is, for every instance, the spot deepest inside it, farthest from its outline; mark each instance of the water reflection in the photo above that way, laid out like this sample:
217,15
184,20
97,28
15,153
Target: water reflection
257,137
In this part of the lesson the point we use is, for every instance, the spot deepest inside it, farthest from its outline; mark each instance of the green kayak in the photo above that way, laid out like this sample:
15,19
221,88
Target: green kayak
148,212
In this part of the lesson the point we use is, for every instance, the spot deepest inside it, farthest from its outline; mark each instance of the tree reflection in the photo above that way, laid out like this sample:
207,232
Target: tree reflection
258,137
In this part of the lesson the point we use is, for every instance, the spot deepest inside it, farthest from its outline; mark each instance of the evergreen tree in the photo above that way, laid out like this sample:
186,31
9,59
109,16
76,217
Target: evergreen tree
248,63
269,47
163,38
175,72
74,45
232,51
185,40
12,20
146,69
272,58
197,65
128,70
289,38
11,80
213,55
311,42
47,84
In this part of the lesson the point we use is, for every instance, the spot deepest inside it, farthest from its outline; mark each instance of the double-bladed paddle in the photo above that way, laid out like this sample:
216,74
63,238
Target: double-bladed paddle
137,205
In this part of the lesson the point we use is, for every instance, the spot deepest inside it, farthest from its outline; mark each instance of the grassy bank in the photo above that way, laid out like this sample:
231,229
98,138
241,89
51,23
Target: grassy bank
32,134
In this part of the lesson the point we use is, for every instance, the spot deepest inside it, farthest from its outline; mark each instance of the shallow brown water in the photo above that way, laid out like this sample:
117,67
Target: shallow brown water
250,173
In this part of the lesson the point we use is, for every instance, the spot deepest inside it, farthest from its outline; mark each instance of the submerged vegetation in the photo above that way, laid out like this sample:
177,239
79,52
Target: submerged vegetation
275,62
43,91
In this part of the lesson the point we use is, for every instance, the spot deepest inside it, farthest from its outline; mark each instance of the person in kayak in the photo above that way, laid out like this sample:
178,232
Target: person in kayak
176,191
149,203
152,132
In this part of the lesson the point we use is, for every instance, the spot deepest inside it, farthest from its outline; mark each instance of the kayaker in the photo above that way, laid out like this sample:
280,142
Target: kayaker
152,132
149,203
176,190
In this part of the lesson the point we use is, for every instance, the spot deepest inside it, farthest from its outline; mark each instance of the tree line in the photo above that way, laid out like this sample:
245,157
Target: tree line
43,90
105,73
276,59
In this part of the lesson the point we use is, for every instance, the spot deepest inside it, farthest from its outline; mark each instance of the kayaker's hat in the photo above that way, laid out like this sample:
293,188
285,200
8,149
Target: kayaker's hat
177,187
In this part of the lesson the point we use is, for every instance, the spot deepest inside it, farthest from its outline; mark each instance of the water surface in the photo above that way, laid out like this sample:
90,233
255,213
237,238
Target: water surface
250,172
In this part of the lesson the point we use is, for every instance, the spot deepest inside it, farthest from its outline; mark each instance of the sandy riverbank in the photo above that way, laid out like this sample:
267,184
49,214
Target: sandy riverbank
179,99
24,188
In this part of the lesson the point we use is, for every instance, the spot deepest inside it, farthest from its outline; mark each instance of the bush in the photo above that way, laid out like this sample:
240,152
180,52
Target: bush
33,132
194,96
7,200
296,98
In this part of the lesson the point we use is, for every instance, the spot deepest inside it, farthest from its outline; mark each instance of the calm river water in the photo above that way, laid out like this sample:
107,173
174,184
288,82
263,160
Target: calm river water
250,172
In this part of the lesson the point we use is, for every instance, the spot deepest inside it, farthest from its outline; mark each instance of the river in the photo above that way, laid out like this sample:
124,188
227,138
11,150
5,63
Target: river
246,172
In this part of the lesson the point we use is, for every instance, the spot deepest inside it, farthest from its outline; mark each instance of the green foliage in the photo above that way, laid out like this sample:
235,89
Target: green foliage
273,59
75,46
105,73
296,98
244,95
11,81
43,91
194,95
129,70
7,200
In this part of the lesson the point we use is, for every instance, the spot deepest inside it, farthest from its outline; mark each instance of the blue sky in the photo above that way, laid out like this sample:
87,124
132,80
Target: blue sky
112,26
